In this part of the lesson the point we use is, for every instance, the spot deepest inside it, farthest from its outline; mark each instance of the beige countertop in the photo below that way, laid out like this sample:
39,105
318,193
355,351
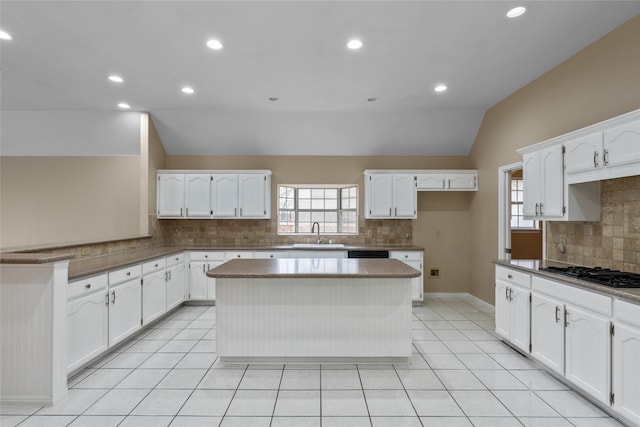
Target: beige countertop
83,267
313,268
534,265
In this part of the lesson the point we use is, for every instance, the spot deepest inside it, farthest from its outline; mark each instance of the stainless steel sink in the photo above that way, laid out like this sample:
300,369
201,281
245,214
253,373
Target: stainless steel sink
318,245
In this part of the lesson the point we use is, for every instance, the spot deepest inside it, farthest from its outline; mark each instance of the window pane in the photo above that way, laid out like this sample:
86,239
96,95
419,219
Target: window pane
514,210
317,193
304,193
317,203
317,216
331,193
331,204
304,204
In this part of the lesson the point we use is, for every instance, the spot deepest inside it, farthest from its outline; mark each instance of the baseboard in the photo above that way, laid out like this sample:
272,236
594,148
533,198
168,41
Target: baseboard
459,295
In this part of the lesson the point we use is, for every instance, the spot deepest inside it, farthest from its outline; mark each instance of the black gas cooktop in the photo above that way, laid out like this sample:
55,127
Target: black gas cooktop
602,276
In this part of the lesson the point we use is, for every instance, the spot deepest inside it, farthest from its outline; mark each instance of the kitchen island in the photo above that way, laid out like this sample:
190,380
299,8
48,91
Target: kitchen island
313,310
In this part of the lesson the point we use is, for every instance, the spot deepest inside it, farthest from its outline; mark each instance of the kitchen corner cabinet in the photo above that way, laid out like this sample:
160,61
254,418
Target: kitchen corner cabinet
512,307
390,196
87,320
170,195
413,259
125,303
626,360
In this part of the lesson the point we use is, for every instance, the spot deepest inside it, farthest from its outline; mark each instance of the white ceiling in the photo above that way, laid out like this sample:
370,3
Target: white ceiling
63,51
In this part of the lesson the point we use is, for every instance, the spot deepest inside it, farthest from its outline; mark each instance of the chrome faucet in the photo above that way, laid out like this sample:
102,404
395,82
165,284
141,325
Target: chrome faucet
313,226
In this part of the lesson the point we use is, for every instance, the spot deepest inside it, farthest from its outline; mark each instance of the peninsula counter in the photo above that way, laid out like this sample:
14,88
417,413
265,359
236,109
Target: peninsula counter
313,310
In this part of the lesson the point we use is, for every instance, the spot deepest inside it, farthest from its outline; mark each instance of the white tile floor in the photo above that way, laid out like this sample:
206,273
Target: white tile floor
460,375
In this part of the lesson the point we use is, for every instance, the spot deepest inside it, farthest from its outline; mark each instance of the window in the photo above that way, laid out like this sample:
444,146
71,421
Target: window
517,208
333,207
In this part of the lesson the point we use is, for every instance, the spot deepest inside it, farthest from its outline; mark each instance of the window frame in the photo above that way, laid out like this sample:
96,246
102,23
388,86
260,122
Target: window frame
512,203
339,209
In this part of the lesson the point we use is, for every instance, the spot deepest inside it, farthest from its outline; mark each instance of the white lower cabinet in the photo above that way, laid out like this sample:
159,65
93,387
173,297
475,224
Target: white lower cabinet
547,331
512,308
154,296
175,286
202,287
588,351
125,310
413,259
626,361
87,321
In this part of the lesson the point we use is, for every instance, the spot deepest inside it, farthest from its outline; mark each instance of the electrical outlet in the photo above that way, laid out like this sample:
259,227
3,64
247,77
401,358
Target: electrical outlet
259,233
434,273
369,233
85,251
133,245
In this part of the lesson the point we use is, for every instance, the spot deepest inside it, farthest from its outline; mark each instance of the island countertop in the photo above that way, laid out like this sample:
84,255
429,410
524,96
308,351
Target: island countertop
313,268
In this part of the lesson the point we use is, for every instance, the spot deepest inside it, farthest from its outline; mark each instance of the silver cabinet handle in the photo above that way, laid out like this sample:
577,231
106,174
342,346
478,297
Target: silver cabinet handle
113,297
510,294
203,270
180,211
235,211
566,318
509,276
106,297
595,159
155,265
240,211
541,209
271,256
449,184
187,210
238,255
537,204
506,294
605,157
128,273
389,211
88,286
169,274
557,314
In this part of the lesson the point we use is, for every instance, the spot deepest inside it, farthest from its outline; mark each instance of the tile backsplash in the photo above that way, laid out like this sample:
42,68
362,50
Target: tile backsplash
614,242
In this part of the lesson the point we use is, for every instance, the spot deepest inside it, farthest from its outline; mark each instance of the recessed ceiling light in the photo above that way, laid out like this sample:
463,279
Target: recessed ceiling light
5,36
273,98
516,11
372,99
124,106
188,90
441,88
354,44
214,44
116,79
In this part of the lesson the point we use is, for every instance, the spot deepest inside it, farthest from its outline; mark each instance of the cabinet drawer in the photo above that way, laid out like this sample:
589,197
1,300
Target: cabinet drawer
127,273
238,254
406,256
513,277
206,256
591,301
175,259
153,266
270,255
626,312
86,286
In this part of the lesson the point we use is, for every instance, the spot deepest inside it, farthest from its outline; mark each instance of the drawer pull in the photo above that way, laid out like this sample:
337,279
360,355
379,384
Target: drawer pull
506,294
113,297
88,286
566,318
557,314
206,256
271,256
238,255
509,276
128,273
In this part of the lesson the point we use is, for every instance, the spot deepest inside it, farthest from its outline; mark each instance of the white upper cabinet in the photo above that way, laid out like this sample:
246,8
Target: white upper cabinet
254,196
214,194
454,180
170,195
198,195
543,184
611,151
224,195
390,195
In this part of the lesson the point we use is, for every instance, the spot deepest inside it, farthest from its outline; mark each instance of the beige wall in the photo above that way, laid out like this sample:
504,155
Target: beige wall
157,160
442,227
58,200
599,82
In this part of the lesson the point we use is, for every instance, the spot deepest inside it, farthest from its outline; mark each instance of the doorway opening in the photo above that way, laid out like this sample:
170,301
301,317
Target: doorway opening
519,238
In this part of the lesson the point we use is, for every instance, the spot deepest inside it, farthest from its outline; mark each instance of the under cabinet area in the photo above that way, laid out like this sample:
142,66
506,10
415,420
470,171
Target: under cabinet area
214,194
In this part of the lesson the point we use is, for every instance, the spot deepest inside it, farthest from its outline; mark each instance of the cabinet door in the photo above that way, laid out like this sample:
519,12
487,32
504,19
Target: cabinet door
198,189
431,182
175,286
380,196
547,331
462,182
416,284
552,176
587,363
404,196
197,280
170,195
584,153
622,144
626,371
125,310
211,282
154,296
87,329
531,184
502,309
253,196
519,316
224,195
